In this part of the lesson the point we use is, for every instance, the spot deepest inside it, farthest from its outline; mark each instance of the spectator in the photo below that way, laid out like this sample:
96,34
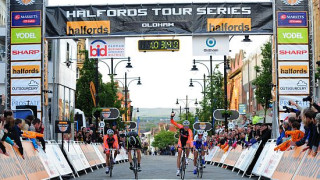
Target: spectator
255,118
282,134
36,126
14,131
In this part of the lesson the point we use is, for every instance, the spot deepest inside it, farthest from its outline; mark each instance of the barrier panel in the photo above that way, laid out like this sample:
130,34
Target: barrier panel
31,164
233,156
271,162
101,149
10,168
217,157
100,156
57,158
309,168
289,163
73,157
214,151
210,155
225,155
83,159
50,167
266,152
248,157
89,153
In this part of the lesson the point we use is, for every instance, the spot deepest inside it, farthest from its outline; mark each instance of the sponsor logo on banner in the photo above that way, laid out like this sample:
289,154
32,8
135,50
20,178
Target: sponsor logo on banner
292,2
293,35
25,2
26,52
26,86
293,52
283,116
107,48
293,69
206,45
292,19
293,86
88,27
26,100
228,24
284,101
25,35
25,18
26,69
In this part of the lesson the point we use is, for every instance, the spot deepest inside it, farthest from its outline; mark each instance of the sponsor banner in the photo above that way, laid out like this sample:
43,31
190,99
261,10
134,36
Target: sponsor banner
294,86
293,52
25,35
292,19
107,48
50,168
25,18
209,45
82,157
151,19
26,69
293,35
284,101
293,69
242,109
290,5
26,52
309,168
73,157
26,100
57,158
26,86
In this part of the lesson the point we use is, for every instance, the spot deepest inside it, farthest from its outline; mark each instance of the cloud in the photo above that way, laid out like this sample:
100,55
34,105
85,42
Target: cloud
301,83
33,83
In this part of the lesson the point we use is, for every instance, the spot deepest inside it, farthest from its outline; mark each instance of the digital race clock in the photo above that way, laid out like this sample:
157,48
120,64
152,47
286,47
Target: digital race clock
159,45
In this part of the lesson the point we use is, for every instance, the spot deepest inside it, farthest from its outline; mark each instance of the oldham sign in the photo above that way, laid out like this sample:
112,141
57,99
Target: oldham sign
155,19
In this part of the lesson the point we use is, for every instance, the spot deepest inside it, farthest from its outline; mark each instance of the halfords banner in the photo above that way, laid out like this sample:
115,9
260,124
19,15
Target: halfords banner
153,19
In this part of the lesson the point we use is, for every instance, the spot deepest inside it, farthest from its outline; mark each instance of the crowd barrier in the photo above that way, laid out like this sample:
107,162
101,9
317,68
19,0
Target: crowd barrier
293,164
53,163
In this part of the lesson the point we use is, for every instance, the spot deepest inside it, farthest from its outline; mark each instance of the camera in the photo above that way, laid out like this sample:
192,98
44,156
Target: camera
288,110
307,98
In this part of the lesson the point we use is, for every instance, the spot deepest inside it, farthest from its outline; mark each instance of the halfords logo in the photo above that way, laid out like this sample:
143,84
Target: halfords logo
26,69
98,48
293,69
25,2
88,27
228,24
292,2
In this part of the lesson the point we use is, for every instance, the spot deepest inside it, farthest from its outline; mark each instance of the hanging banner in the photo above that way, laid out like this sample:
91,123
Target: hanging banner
26,52
293,69
210,45
26,86
294,86
155,19
293,52
284,101
107,48
26,100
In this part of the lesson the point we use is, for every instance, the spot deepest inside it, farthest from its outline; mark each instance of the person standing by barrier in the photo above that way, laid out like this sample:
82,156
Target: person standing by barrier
36,127
14,131
185,139
295,134
110,141
4,137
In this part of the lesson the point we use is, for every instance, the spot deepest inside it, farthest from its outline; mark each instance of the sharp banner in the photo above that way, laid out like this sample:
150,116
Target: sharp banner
293,58
155,19
25,53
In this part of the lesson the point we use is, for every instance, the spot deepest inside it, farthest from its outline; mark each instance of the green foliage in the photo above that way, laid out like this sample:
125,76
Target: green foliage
264,78
164,139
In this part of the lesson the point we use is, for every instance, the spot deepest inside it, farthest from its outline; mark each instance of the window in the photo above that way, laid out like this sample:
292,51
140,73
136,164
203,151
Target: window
49,50
78,73
67,52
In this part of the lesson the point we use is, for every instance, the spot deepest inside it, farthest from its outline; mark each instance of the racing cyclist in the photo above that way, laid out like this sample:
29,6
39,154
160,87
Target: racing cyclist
199,142
110,141
185,140
133,141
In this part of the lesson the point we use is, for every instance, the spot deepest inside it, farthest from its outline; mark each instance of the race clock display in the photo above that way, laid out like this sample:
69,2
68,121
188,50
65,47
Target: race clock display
159,45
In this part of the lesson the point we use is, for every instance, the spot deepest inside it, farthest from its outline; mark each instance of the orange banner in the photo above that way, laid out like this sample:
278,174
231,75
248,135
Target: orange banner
289,164
88,27
228,24
310,169
10,168
233,156
93,93
32,164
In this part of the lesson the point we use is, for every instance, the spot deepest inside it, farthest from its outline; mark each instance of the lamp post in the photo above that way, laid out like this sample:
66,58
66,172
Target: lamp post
126,85
177,110
202,86
187,104
210,71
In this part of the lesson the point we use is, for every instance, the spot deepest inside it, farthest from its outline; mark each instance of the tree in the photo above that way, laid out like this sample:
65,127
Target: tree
164,139
264,79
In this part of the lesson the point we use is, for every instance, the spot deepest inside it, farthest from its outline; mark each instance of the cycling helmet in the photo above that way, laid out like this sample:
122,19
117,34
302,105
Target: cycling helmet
200,132
132,140
185,123
110,132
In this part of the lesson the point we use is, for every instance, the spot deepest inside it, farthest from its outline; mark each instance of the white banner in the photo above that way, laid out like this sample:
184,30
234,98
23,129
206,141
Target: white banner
57,158
26,86
26,100
26,69
271,163
293,52
209,45
107,48
48,165
82,157
26,52
284,101
293,69
101,158
225,155
264,157
294,86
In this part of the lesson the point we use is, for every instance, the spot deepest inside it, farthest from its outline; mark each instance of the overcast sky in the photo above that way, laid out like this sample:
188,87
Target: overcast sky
165,76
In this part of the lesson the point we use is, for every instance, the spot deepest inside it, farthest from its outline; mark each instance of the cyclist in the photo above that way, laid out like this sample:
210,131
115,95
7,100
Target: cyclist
185,140
133,141
199,142
110,141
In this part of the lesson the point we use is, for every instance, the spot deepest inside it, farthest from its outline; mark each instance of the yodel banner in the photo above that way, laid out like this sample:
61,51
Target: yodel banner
149,19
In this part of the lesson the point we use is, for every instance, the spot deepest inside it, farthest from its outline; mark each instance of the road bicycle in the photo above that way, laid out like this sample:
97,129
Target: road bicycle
199,163
183,163
135,162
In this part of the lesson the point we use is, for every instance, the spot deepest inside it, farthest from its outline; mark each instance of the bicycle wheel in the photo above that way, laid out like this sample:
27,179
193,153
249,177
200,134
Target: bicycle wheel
183,167
200,166
111,165
135,166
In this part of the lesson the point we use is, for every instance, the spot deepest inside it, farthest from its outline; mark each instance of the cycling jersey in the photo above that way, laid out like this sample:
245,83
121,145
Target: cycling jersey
185,136
110,142
136,139
198,143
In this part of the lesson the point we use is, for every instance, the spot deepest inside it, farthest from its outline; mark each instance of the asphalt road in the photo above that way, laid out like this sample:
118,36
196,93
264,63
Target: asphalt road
160,167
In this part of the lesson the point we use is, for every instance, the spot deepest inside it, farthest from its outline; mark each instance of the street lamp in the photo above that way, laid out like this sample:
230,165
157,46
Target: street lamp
112,69
178,110
126,85
202,86
187,104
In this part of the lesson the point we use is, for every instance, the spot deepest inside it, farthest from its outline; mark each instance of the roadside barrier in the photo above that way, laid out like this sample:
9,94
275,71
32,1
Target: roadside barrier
309,168
53,163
